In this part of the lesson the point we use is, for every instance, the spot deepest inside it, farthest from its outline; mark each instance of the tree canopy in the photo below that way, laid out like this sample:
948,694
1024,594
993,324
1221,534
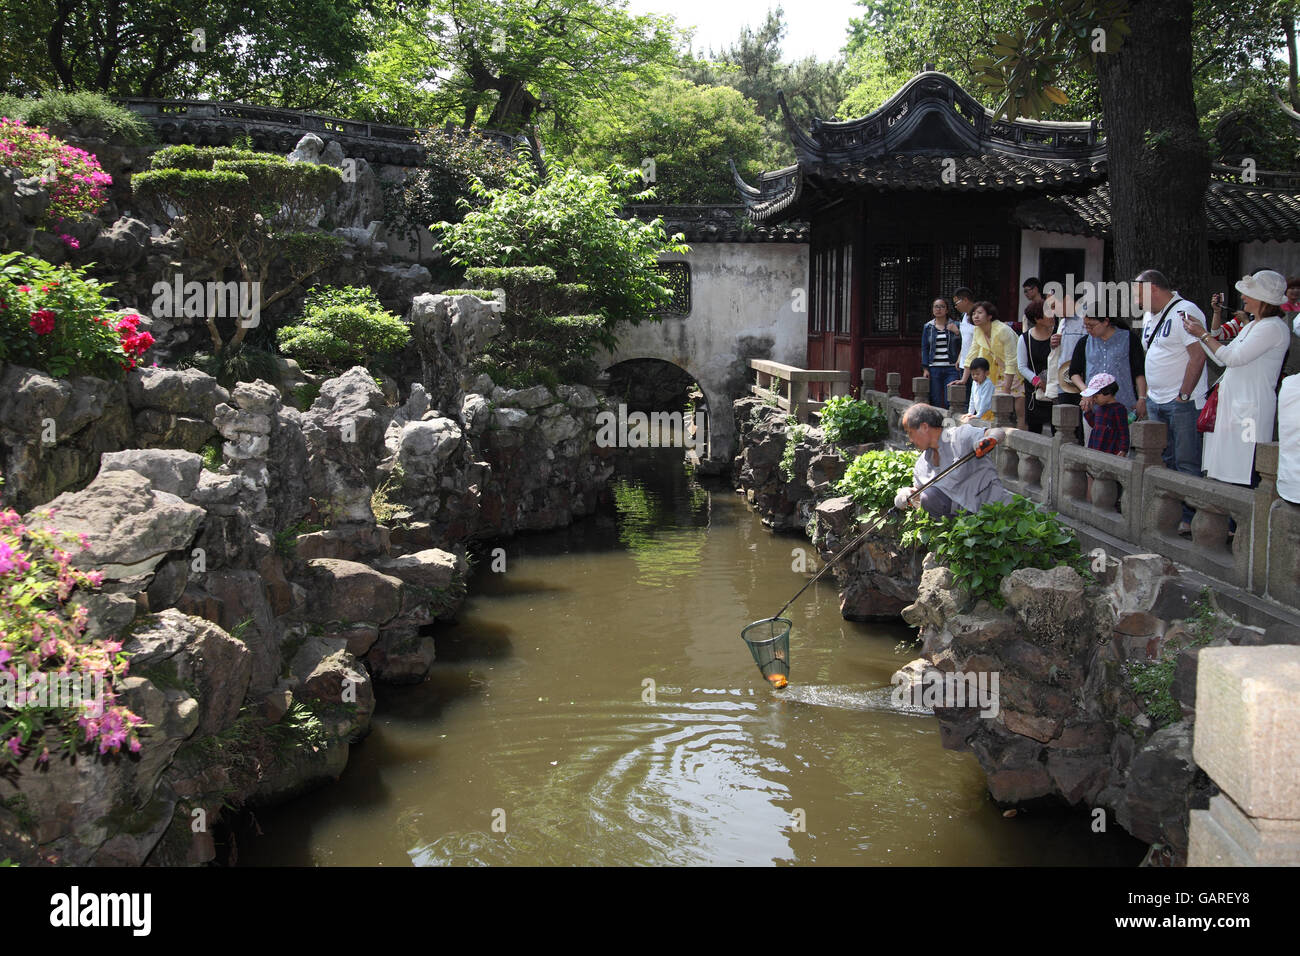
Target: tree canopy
679,133
275,52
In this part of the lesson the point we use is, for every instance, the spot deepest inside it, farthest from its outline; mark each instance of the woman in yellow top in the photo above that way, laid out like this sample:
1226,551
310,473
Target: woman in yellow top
996,342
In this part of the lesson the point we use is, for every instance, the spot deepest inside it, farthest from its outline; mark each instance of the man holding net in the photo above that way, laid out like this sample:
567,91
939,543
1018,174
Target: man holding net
967,487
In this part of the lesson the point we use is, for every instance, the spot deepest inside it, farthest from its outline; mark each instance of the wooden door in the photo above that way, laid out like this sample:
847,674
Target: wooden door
833,269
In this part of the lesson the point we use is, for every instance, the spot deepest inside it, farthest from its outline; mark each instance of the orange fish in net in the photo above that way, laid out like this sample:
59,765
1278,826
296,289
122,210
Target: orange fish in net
778,680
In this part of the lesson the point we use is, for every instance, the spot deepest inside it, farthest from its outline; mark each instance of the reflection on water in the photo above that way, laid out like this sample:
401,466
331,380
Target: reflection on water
665,537
595,704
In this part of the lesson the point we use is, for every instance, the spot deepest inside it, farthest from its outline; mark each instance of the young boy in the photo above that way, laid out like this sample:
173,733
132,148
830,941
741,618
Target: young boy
1108,418
981,392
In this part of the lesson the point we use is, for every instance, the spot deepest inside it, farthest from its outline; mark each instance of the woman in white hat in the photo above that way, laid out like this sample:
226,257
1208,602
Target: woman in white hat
1252,361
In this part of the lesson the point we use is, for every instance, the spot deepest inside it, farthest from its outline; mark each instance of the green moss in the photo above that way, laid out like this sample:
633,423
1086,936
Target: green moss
126,818
22,811
165,676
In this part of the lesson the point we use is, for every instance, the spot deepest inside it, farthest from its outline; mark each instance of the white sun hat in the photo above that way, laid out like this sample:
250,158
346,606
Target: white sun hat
1265,285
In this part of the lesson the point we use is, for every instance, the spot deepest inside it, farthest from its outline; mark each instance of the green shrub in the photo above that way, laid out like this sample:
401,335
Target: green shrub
212,455
200,157
847,421
983,548
874,478
85,114
342,327
574,224
439,189
56,319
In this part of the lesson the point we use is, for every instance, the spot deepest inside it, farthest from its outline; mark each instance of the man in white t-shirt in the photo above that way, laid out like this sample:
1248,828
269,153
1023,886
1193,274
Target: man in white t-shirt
1176,376
964,300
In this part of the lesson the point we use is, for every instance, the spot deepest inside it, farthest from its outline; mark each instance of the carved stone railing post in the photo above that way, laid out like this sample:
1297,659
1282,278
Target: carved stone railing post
1266,463
1148,442
1246,714
958,399
869,379
893,384
799,399
921,388
1004,410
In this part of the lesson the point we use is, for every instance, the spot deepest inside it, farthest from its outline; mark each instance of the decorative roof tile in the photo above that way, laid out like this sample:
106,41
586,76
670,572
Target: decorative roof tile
1236,213
719,224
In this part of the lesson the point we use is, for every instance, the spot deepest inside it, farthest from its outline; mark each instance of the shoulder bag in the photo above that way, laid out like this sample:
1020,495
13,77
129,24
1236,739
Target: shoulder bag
1210,413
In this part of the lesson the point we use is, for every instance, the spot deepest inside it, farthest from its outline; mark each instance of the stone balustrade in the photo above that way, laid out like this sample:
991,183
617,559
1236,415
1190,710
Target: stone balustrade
217,123
788,386
1135,499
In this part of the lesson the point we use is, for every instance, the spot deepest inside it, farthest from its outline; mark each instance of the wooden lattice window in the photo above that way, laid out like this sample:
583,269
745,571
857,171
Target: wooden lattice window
888,269
677,276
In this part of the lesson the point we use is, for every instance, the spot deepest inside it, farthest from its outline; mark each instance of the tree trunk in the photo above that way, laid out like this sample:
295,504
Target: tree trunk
1159,166
514,107
1293,69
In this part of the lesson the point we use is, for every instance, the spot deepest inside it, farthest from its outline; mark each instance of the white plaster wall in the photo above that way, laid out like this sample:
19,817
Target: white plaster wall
1032,240
738,290
1283,257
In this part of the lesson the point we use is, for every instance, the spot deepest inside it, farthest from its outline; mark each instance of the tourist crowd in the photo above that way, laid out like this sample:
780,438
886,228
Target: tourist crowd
1118,374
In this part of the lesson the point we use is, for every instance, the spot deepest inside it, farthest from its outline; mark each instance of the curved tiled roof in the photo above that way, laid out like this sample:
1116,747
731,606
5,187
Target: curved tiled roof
1236,213
931,134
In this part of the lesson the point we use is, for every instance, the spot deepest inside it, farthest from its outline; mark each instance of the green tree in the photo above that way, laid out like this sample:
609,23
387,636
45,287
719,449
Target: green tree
396,79
893,41
682,132
276,52
754,66
570,222
514,60
243,210
1159,162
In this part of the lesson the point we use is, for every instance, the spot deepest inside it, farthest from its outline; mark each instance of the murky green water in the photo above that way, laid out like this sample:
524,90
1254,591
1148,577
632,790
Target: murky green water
537,740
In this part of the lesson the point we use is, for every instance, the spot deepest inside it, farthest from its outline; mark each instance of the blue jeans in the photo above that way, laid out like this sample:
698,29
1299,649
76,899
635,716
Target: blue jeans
1183,445
940,376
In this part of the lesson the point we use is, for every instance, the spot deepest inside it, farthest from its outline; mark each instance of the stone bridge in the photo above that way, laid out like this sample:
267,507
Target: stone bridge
743,298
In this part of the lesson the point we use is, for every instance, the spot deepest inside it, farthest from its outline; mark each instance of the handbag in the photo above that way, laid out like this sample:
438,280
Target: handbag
1210,413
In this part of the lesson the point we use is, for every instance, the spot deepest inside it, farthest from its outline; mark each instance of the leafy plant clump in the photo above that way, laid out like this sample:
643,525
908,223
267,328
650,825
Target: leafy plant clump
1152,681
76,183
82,114
983,548
342,327
795,436
454,160
42,647
847,421
55,319
873,479
543,341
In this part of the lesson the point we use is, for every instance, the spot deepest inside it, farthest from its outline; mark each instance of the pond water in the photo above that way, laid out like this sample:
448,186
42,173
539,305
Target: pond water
539,737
